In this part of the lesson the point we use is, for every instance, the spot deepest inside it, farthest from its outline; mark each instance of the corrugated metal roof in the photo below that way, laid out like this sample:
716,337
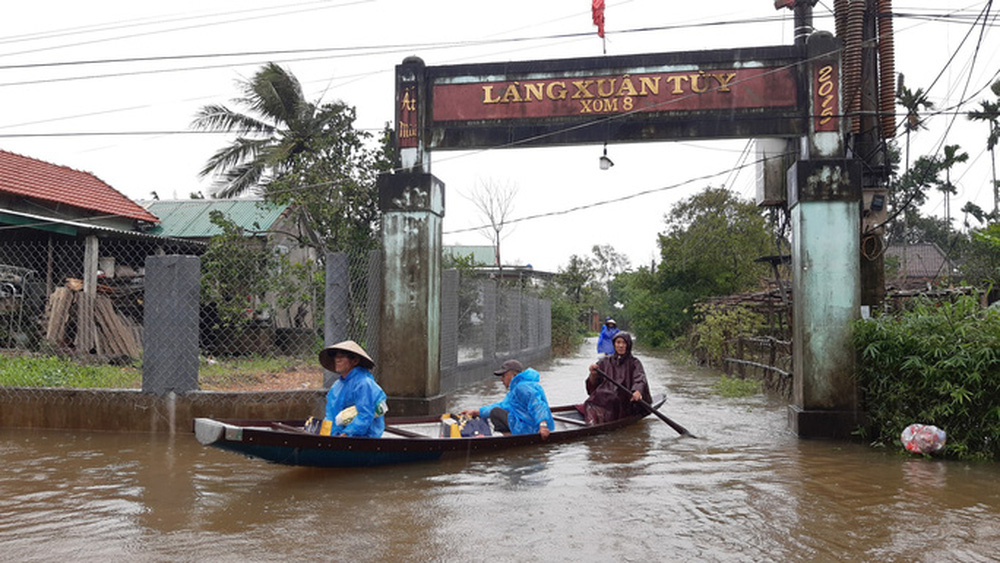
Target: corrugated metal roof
73,228
30,177
189,218
481,255
923,260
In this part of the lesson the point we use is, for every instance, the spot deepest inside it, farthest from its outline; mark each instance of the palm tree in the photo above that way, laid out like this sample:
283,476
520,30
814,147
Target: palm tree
951,158
913,102
990,113
279,124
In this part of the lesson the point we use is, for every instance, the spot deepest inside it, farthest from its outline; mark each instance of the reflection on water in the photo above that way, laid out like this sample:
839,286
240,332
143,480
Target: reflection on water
745,490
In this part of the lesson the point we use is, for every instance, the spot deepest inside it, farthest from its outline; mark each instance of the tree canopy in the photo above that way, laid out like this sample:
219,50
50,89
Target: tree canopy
711,241
293,151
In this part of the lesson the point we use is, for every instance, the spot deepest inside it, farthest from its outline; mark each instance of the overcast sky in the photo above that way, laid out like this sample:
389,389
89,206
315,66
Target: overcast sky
110,87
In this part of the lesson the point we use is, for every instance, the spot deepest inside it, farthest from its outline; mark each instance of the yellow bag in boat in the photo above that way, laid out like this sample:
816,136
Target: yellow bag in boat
450,428
326,428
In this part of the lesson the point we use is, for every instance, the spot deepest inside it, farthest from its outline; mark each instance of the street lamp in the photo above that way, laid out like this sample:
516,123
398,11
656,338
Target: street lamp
605,162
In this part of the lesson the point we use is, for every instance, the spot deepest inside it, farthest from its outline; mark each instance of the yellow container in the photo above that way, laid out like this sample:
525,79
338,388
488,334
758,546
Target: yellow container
326,428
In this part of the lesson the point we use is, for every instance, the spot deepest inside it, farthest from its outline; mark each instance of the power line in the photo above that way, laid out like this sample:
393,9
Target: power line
323,6
617,199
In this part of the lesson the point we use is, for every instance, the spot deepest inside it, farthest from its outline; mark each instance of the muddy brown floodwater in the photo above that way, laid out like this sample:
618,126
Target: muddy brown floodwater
745,490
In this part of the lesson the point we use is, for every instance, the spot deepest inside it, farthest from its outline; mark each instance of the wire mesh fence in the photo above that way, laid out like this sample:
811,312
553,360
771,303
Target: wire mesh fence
261,313
89,325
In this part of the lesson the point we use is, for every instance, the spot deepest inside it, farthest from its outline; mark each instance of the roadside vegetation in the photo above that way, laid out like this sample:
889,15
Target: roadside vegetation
54,371
230,374
937,363
734,387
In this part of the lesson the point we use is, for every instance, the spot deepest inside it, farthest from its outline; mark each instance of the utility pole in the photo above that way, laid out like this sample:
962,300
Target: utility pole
869,147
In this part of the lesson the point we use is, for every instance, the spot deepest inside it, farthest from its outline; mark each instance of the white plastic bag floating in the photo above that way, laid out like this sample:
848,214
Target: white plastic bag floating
923,439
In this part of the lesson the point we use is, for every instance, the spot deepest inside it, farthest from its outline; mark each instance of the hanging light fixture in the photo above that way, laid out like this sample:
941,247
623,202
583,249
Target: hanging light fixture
605,162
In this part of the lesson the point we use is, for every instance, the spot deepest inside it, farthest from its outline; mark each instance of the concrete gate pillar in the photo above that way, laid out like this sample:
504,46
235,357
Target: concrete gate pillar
412,205
824,202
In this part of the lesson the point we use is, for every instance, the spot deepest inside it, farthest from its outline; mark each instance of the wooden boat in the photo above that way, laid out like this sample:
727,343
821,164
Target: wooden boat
405,440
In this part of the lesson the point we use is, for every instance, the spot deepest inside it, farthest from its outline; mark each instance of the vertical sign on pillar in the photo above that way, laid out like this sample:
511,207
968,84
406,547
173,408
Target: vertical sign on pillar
826,95
406,120
410,116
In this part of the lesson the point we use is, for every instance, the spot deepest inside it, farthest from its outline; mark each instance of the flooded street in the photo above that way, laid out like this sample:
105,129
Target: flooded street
745,490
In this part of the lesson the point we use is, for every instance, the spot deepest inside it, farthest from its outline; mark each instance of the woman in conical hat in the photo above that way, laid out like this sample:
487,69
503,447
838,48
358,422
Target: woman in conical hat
349,347
354,396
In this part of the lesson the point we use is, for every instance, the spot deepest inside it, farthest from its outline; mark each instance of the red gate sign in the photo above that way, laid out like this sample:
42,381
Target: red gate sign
580,96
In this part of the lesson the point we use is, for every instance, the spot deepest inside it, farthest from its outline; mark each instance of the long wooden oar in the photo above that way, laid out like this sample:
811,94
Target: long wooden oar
680,429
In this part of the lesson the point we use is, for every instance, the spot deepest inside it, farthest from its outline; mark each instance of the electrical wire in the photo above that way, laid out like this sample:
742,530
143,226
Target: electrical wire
448,46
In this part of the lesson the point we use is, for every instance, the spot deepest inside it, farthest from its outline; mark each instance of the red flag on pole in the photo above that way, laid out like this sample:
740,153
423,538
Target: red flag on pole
598,12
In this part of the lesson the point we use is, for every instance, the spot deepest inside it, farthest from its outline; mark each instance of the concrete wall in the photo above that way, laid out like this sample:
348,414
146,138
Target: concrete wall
127,410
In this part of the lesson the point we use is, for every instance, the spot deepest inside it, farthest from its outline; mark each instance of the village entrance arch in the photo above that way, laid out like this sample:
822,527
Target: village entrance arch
789,93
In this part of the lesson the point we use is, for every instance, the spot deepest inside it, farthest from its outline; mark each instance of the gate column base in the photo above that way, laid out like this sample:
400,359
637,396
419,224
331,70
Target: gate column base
833,424
416,406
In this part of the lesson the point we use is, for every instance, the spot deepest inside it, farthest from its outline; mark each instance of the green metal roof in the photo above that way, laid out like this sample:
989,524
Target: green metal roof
189,218
481,255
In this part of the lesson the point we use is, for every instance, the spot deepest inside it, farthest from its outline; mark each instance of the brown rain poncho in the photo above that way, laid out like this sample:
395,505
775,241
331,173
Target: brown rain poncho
606,402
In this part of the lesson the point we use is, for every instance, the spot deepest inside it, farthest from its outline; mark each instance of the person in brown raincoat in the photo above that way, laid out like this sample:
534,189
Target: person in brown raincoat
606,402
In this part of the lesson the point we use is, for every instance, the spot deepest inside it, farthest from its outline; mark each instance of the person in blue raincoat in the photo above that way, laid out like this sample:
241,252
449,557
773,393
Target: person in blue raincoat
355,404
605,342
525,409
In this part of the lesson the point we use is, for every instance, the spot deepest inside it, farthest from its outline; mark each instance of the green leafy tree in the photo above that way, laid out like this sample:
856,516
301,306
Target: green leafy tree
235,273
709,248
578,281
608,264
332,188
981,264
655,311
711,242
905,223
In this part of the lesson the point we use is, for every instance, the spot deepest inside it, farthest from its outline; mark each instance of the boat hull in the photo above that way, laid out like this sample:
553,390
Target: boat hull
406,440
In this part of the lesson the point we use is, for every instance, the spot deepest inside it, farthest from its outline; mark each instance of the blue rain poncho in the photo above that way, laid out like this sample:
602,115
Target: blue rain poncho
605,342
525,404
359,389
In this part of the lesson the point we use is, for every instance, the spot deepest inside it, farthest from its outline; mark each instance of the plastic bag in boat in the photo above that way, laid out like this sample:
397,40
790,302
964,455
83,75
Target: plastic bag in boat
312,425
347,415
923,439
461,426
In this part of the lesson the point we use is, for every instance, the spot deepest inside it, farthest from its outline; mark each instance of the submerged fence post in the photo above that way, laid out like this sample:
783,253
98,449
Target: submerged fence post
170,324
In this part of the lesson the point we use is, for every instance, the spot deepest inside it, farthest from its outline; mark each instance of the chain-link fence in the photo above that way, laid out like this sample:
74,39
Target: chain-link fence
261,313
484,320
79,318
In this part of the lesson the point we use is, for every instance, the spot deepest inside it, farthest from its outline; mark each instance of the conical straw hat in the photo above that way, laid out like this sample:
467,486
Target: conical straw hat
326,356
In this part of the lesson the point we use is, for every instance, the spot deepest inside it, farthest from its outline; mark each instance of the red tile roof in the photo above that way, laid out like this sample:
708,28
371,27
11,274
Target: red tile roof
21,175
